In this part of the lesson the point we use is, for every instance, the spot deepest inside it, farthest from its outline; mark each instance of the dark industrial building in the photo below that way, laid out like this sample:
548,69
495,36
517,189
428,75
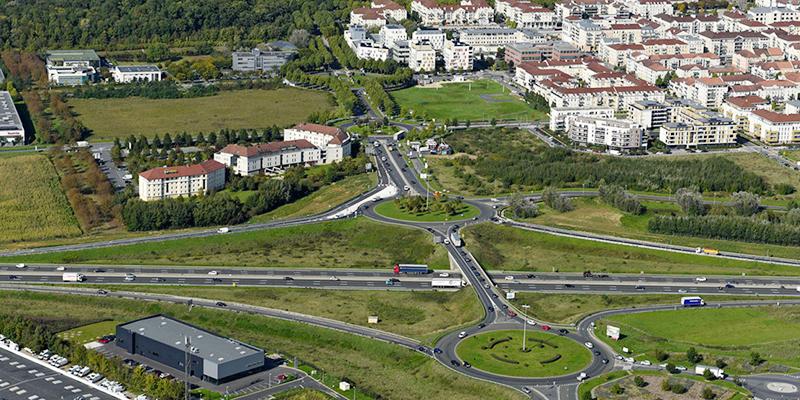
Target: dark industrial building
213,358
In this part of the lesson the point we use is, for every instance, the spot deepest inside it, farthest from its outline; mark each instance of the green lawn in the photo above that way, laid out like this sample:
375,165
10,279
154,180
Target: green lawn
301,394
90,332
652,387
350,243
793,155
389,209
323,199
731,333
499,247
422,315
236,109
374,366
546,354
481,100
593,215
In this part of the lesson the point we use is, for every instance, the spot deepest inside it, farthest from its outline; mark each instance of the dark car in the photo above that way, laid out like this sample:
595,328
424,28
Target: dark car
639,287
288,278
13,278
563,331
481,325
421,348
455,363
221,304
103,292
729,286
503,306
569,285
491,309
437,351
99,270
511,314
596,352
467,365
531,276
216,280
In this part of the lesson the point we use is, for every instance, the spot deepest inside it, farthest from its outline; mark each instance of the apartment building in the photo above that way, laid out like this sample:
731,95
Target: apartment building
12,131
334,143
615,97
590,8
616,54
649,8
465,12
726,44
739,108
392,33
691,24
694,128
434,37
390,9
457,56
421,57
774,128
489,40
272,157
71,67
267,61
524,14
558,115
367,17
771,15
186,180
649,114
135,73
616,134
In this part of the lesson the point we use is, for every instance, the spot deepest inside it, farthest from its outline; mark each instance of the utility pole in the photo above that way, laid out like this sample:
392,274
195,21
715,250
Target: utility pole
524,325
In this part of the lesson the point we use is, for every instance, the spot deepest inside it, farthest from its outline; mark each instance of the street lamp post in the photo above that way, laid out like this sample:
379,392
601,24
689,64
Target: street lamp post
524,325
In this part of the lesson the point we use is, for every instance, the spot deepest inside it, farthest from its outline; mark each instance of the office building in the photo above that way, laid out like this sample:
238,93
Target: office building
334,144
11,129
135,73
185,180
71,67
270,158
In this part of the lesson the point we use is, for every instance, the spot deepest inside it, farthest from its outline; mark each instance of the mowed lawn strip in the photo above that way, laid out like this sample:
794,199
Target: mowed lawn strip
236,109
419,315
546,354
350,243
390,210
479,100
391,371
499,247
32,205
91,332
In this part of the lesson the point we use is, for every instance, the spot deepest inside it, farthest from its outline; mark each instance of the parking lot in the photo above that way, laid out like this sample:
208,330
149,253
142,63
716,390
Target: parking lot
21,379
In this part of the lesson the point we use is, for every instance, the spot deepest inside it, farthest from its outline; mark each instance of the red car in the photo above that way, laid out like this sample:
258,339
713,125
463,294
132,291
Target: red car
104,340
512,314
546,327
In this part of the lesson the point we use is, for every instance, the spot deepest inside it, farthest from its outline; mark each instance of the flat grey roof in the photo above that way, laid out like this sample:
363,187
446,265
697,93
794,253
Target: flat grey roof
138,68
209,346
9,118
72,55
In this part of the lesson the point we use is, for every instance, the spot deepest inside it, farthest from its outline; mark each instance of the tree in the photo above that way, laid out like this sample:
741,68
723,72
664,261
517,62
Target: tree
617,389
671,368
690,201
661,355
745,204
708,394
756,359
792,217
157,52
665,385
556,200
587,395
720,363
708,375
12,90
299,37
522,208
639,381
693,356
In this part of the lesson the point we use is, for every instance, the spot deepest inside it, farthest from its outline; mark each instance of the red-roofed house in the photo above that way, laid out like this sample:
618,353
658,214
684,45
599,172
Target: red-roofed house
268,157
775,128
466,12
333,142
739,109
367,17
186,180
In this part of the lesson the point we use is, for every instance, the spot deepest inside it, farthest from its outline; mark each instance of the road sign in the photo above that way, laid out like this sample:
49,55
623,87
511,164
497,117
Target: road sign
612,332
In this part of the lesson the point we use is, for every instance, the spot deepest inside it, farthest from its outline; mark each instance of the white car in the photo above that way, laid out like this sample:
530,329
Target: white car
406,188
61,268
444,275
531,322
582,377
462,335
509,278
20,265
213,273
333,278
589,345
679,368
700,279
644,362
681,290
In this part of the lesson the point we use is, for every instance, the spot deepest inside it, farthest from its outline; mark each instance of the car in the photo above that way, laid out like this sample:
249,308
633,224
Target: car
589,345
531,322
467,365
221,304
597,352
729,286
437,351
604,361
503,306
13,278
216,280
21,265
288,278
700,279
680,368
681,290
546,327
333,278
421,348
618,357
103,340
213,273
511,313
531,276
455,363
644,362
526,389
462,335
569,285
509,278
130,277
563,331
61,268
582,377
639,287
406,188
481,325
129,362
99,270
494,295
103,292
491,309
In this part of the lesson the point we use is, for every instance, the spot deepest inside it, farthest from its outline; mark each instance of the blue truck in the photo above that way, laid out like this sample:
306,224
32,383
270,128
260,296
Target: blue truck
411,269
693,301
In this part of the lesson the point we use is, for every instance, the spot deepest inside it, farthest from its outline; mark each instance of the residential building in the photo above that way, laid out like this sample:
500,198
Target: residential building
489,40
135,73
771,15
273,157
774,128
367,17
267,61
649,8
649,114
616,134
435,37
739,108
334,143
71,67
465,12
616,54
558,115
392,33
698,128
12,131
390,10
400,51
186,180
524,14
726,44
171,342
421,57
369,50
457,56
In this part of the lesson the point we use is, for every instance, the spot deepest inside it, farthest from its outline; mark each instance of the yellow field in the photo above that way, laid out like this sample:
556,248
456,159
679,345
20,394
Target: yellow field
32,205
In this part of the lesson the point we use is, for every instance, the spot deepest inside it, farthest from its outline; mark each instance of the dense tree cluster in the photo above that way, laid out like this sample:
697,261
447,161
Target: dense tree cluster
616,196
417,205
23,68
556,200
745,204
379,97
521,208
121,24
747,229
152,90
68,129
690,201
537,101
88,190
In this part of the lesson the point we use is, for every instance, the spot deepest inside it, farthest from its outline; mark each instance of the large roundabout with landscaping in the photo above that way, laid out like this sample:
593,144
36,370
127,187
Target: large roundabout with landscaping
459,211
501,353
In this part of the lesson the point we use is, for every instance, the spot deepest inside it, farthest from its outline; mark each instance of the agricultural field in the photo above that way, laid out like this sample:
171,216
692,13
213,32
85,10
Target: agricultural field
237,109
379,368
350,243
32,205
422,315
481,100
500,352
769,331
499,247
593,215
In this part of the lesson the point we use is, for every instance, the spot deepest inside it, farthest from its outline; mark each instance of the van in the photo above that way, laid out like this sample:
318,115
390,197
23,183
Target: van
130,277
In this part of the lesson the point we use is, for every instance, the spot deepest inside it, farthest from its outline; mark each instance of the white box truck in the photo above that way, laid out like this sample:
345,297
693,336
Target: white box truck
717,372
446,283
73,277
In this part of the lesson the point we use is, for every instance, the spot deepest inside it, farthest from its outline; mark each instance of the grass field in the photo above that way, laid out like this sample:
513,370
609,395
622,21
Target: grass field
500,352
570,308
499,247
350,243
481,100
323,199
652,387
730,333
374,366
422,315
32,205
592,215
301,394
793,155
90,332
606,380
237,109
389,209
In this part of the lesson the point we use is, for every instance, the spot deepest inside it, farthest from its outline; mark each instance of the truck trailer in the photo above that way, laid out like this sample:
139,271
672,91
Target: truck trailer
446,283
455,239
411,269
692,301
72,277
719,373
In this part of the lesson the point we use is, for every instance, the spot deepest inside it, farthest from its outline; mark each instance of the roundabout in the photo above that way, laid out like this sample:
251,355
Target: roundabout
389,209
500,352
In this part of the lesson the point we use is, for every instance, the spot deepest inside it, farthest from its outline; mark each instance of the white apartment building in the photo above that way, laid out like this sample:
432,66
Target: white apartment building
525,14
614,133
435,37
390,9
615,97
558,115
649,8
739,108
771,15
392,33
11,128
188,180
665,46
369,50
421,57
334,143
775,128
457,56
616,54
270,157
489,40
367,17
726,44
135,73
583,33
466,12
698,128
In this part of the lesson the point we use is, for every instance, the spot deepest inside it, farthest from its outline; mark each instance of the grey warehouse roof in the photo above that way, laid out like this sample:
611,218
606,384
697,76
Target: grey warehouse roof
72,55
9,118
208,346
137,68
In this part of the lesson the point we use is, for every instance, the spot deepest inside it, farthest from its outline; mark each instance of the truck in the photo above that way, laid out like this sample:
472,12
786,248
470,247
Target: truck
223,230
692,301
446,283
719,373
72,277
399,135
411,269
455,239
707,250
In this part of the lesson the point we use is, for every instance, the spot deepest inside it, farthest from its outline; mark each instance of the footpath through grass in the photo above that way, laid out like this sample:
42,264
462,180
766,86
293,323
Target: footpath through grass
235,109
390,210
349,243
728,333
387,370
421,315
499,247
32,204
500,352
